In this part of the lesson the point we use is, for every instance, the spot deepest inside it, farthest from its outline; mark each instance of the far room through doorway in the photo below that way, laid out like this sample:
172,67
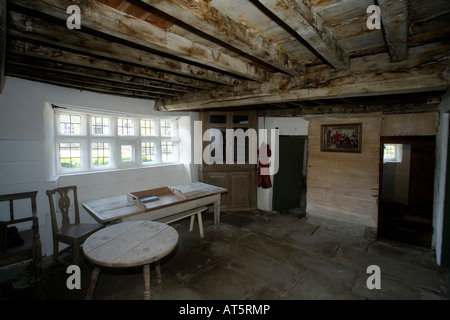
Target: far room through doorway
406,189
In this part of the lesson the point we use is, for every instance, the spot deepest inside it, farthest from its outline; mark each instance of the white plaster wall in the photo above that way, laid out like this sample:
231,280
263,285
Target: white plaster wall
27,153
440,174
294,126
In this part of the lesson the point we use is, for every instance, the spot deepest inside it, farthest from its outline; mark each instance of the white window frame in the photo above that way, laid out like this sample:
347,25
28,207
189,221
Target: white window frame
398,153
87,137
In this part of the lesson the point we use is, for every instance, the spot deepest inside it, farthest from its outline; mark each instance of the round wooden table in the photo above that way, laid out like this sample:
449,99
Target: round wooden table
130,244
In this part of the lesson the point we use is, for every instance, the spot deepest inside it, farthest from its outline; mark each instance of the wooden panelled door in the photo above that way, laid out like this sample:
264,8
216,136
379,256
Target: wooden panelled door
408,221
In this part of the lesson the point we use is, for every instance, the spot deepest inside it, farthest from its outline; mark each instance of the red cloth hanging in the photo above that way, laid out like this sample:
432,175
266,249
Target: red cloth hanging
264,180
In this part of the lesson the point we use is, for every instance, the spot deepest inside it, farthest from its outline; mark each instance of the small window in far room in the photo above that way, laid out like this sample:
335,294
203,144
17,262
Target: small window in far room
392,153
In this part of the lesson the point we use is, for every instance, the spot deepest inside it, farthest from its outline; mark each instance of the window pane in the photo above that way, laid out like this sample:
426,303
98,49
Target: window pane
166,151
100,154
100,125
389,151
166,128
215,118
69,124
126,153
147,128
240,119
70,155
125,127
148,152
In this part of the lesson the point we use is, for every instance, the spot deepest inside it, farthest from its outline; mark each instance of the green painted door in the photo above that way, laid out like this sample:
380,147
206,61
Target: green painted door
287,186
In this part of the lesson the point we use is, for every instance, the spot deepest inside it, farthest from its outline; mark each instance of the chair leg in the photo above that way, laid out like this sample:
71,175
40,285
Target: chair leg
76,253
55,251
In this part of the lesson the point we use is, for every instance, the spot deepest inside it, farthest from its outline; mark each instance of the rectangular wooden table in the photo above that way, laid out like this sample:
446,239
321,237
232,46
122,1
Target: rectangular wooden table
181,198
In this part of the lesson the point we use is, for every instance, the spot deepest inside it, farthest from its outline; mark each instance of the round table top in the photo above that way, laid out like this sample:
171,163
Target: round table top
130,244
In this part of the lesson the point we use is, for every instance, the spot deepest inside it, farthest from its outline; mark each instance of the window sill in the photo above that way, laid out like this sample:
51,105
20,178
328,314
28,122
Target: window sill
106,171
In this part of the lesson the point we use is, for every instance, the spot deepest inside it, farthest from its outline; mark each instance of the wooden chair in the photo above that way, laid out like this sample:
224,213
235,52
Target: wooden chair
74,233
20,245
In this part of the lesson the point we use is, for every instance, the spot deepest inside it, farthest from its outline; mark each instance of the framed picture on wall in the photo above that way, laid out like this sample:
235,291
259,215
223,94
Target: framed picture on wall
341,137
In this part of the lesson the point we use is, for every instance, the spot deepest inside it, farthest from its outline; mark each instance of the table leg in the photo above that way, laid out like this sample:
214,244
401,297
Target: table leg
217,213
158,271
94,279
147,282
200,223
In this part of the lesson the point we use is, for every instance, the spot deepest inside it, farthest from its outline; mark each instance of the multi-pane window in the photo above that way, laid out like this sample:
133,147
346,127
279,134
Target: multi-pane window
166,128
100,154
126,153
166,151
93,142
147,128
148,152
70,154
392,152
70,124
125,127
100,125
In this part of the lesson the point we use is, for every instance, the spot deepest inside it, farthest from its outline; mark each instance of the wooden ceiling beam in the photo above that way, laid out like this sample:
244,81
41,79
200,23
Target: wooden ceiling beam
207,19
395,25
152,78
34,29
82,86
104,19
370,76
300,18
91,75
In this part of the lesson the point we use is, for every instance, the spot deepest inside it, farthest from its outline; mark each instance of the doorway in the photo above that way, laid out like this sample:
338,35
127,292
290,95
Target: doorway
289,187
406,189
445,255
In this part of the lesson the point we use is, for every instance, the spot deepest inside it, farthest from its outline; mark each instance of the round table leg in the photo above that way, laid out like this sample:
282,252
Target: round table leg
147,282
158,271
94,279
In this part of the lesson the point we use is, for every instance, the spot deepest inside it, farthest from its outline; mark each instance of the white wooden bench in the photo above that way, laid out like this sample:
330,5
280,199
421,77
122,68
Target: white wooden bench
189,213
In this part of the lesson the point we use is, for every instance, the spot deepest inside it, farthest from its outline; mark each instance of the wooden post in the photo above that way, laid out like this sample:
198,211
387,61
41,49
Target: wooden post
2,42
